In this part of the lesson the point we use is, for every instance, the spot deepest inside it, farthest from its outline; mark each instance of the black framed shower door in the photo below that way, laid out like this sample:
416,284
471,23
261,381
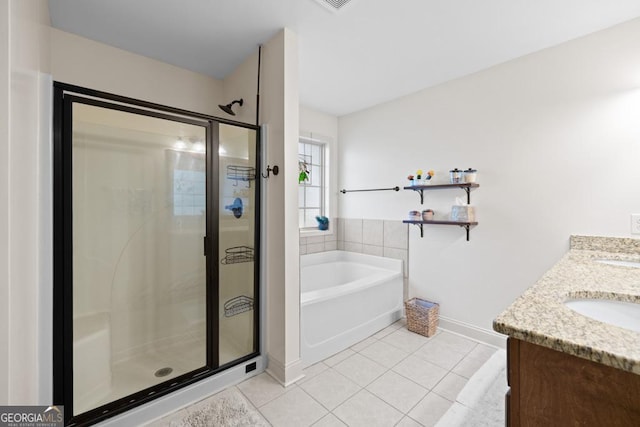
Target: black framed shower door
152,237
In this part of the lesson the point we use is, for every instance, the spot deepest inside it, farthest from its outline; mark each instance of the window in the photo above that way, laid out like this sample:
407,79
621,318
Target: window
311,193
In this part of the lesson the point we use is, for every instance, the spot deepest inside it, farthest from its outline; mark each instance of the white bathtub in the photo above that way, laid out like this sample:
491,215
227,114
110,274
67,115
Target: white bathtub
345,297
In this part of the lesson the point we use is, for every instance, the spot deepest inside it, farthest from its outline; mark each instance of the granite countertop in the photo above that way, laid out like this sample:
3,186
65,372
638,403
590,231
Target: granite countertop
540,317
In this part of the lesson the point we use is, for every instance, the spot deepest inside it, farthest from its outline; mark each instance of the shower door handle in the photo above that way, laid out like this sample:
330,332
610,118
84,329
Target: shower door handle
205,242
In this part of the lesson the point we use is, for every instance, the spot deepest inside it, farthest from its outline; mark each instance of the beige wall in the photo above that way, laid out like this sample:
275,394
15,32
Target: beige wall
5,89
242,84
279,114
279,111
86,63
25,364
291,231
83,62
556,141
25,192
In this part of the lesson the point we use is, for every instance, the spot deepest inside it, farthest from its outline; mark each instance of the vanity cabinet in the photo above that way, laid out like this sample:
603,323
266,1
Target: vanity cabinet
552,388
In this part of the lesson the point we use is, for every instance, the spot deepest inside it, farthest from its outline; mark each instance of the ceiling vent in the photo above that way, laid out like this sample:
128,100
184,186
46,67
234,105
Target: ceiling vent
334,5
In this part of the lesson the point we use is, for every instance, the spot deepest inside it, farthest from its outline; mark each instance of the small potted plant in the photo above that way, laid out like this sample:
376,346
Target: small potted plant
430,175
303,172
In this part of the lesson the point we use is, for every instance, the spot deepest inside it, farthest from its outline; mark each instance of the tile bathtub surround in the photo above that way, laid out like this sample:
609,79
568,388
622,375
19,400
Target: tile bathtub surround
396,235
377,237
352,230
394,377
539,316
321,243
372,232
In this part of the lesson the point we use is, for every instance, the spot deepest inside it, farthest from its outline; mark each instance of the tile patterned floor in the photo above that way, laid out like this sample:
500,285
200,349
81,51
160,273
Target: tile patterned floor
393,378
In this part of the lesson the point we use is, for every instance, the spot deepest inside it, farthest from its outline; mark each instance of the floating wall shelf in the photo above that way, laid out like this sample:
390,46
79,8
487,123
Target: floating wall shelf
465,225
467,187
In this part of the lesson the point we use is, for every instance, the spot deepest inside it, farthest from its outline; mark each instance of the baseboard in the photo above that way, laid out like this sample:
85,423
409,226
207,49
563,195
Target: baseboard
284,374
485,336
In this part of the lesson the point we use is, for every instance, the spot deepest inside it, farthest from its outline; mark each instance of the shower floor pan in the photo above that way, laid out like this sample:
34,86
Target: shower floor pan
139,372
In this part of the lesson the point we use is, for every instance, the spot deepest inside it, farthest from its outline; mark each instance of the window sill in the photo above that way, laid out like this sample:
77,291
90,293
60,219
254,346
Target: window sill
310,232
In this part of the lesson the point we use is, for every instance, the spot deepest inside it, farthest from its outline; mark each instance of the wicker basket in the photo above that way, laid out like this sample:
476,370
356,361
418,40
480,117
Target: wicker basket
422,316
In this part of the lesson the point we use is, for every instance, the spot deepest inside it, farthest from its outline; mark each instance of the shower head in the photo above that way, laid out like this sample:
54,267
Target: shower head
227,108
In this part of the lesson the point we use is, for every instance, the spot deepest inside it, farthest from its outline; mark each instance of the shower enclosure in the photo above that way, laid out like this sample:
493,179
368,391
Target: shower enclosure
156,222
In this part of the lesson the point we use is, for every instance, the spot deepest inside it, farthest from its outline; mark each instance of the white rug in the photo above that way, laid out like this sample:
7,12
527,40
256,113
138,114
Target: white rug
481,401
226,409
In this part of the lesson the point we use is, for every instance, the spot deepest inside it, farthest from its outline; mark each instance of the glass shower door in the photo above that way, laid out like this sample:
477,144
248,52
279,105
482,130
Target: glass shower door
139,204
237,243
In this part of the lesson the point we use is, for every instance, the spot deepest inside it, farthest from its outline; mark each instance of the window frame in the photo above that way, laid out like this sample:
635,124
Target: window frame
323,166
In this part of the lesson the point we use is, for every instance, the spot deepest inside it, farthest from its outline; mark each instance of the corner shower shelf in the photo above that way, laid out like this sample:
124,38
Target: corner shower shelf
238,305
466,225
241,173
466,186
237,254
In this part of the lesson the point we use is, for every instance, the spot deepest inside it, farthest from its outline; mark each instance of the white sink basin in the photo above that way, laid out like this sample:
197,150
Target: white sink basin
619,263
623,314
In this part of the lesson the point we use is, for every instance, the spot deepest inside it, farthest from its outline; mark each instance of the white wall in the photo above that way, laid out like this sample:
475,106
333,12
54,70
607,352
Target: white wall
25,276
315,121
555,137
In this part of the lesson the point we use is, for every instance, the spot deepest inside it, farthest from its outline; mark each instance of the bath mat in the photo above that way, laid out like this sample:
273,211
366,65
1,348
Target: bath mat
481,401
226,409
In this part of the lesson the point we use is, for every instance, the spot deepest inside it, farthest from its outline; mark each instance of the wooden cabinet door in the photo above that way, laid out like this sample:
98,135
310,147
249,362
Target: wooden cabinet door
551,388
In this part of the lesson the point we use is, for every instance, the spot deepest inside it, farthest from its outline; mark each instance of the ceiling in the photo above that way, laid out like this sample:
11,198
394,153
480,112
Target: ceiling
366,53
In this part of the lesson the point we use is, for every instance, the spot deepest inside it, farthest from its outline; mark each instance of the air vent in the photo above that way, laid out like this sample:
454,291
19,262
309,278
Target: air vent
334,5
